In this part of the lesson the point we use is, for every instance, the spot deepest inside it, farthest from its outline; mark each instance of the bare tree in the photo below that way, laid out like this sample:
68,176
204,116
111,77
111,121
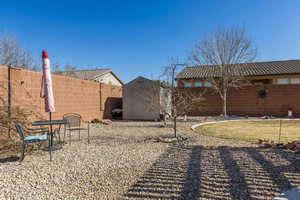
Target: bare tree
69,67
227,50
183,100
56,67
69,70
13,55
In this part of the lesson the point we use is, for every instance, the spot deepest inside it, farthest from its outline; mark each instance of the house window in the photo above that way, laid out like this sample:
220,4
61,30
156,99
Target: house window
295,80
283,81
187,84
198,84
288,81
207,84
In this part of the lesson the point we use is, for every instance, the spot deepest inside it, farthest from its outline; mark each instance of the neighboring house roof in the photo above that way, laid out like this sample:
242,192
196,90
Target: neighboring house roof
88,74
272,68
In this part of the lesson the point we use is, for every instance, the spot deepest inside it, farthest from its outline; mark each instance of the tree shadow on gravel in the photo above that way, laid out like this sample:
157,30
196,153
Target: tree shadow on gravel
198,172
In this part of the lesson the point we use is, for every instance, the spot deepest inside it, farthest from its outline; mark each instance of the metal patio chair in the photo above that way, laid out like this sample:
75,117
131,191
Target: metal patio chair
74,122
23,132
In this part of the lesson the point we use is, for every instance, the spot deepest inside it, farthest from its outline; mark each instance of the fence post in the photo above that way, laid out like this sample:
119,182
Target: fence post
9,100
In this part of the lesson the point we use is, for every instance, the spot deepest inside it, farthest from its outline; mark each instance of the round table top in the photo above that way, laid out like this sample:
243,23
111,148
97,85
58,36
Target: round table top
48,122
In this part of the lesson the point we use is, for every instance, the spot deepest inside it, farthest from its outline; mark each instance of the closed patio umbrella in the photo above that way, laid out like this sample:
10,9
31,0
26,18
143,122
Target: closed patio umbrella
47,82
48,94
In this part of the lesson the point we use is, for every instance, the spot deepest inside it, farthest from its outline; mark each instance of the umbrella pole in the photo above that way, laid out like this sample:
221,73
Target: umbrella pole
51,137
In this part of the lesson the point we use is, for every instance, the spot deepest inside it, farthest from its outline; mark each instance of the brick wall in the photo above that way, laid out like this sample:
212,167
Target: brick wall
245,101
89,99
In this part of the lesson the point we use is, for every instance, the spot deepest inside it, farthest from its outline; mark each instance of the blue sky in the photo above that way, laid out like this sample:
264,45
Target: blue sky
137,37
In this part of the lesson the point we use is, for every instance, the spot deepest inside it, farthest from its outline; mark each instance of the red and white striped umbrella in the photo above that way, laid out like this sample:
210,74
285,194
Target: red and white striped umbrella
47,82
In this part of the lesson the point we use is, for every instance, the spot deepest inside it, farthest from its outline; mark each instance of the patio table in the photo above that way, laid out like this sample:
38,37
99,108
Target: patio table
50,123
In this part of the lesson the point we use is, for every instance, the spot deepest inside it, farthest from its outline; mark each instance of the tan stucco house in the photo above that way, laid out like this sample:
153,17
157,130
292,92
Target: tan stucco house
99,75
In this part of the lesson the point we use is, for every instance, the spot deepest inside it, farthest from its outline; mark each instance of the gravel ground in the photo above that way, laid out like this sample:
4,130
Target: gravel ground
123,162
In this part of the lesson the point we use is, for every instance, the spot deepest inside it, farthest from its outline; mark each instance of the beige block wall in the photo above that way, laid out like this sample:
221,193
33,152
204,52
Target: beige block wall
71,95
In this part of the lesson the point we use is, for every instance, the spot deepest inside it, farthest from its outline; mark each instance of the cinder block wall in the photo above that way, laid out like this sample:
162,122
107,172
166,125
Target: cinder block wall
245,101
89,99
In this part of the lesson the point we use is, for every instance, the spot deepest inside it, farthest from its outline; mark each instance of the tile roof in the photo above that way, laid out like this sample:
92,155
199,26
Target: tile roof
247,69
84,74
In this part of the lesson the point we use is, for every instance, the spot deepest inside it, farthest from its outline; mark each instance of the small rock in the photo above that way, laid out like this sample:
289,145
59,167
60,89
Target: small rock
290,146
106,121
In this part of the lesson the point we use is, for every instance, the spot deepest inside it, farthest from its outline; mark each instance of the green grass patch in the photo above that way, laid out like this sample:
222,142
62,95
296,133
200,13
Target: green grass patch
254,130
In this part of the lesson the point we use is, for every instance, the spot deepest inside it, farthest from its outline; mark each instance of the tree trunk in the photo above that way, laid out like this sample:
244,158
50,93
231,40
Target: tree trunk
225,103
175,126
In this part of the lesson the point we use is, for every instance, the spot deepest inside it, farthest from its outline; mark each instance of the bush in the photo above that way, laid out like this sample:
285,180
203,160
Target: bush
6,122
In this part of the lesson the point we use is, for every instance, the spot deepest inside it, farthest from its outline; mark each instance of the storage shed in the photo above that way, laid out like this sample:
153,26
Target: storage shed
145,99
